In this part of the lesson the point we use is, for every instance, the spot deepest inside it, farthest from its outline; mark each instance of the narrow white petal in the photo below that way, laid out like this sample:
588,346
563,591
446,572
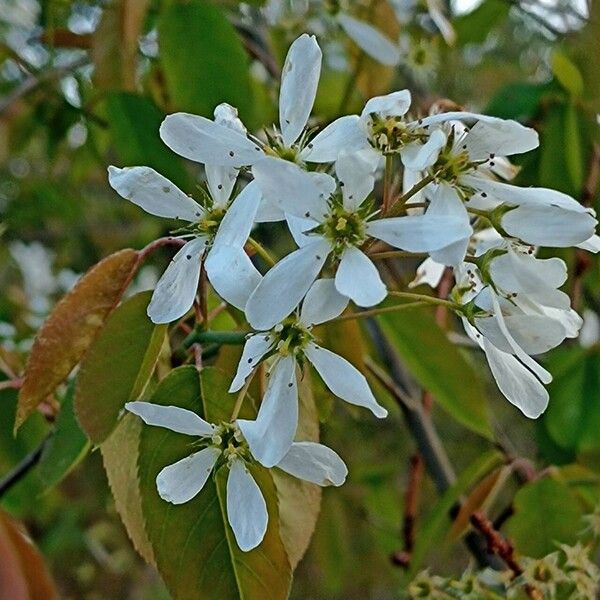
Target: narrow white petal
342,134
315,463
174,418
154,193
592,244
322,303
232,274
429,273
369,39
271,434
395,104
239,218
282,288
420,233
539,371
419,157
299,228
180,482
518,384
255,348
516,272
344,380
176,289
299,81
227,115
358,278
291,188
246,507
437,15
356,176
220,182
202,140
499,137
548,225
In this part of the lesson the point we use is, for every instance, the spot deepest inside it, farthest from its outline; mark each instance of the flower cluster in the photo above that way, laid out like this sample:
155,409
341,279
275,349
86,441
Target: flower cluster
457,207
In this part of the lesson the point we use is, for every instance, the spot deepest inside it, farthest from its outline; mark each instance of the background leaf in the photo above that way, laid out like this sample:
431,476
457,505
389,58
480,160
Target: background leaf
118,366
567,73
203,60
71,328
439,367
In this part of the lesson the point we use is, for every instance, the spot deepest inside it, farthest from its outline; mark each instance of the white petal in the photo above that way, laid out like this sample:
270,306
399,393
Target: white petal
293,189
174,418
395,104
499,137
344,380
441,22
227,115
322,303
180,482
429,273
205,141
516,272
299,81
154,193
548,225
255,348
591,245
357,277
539,371
271,434
239,218
419,157
269,211
246,507
220,182
342,134
515,138
369,39
421,233
282,288
315,463
299,228
232,274
517,383
176,289
356,175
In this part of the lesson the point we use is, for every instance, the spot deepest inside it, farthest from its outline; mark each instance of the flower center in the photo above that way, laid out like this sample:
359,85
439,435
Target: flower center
451,164
343,229
209,224
229,439
292,337
390,134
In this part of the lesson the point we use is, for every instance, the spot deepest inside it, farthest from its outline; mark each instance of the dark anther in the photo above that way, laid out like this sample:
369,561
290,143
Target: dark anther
220,186
307,214
249,360
231,153
189,256
483,195
290,384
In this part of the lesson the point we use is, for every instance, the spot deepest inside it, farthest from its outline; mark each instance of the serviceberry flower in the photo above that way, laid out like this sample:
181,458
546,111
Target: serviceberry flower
215,143
287,346
327,220
223,446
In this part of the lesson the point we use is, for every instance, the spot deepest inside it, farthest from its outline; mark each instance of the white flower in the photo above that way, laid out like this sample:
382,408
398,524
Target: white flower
213,143
327,223
287,345
225,447
517,311
217,234
407,10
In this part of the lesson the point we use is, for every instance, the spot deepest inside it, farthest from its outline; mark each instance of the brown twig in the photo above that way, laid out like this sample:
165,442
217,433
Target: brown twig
12,384
502,547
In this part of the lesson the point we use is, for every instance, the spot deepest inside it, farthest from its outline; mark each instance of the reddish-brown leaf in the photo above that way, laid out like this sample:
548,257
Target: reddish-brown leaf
71,328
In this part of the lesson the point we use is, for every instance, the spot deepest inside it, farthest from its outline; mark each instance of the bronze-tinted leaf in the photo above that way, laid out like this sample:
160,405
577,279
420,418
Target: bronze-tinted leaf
71,328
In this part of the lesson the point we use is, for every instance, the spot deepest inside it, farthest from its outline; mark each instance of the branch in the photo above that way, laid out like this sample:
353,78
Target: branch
19,472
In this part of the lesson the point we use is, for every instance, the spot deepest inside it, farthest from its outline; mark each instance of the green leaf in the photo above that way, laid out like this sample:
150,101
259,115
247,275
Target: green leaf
194,547
474,27
573,416
519,100
203,59
438,521
546,512
567,73
439,367
67,446
134,123
71,328
573,151
117,367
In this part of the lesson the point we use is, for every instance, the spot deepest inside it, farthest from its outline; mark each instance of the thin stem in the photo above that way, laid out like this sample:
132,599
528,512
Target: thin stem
396,254
398,206
159,243
231,338
364,314
240,399
387,184
262,251
351,83
12,384
32,459
423,298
